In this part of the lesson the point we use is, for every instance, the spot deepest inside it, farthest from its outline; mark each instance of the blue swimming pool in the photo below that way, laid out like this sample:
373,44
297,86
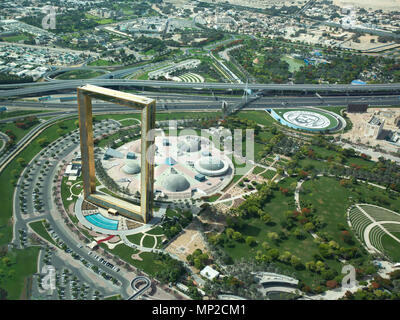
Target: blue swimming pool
101,221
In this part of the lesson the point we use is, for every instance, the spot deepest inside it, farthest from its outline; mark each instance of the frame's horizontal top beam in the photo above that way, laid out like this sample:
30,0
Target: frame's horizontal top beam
115,96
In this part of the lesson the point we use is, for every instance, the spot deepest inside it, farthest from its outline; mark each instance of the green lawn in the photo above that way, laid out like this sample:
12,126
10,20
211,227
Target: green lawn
79,74
18,113
331,200
98,19
24,264
6,177
156,231
65,192
294,64
213,198
171,213
18,132
16,38
392,247
135,238
129,122
149,241
122,251
256,228
261,117
116,297
269,174
39,228
150,264
101,63
258,170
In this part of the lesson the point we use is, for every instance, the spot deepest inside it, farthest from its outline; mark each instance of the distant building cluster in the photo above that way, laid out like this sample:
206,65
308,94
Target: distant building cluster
155,25
26,61
183,65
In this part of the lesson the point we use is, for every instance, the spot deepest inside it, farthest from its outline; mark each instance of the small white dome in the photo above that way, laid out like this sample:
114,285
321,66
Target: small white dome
131,167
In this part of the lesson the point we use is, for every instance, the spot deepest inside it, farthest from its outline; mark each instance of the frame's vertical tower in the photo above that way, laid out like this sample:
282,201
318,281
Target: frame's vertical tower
148,113
87,145
147,161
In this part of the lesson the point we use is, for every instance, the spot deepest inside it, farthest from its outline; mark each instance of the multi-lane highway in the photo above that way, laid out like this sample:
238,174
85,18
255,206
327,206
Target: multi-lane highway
191,102
38,88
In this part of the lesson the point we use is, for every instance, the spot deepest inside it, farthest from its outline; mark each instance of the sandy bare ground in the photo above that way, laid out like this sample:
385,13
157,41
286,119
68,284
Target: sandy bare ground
375,5
187,242
360,120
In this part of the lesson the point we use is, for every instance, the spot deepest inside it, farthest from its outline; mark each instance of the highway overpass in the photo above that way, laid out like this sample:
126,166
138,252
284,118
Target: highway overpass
181,102
42,88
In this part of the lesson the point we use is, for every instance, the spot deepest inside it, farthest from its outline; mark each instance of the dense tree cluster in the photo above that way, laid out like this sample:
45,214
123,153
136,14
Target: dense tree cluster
173,225
6,78
265,60
27,122
379,289
171,271
198,259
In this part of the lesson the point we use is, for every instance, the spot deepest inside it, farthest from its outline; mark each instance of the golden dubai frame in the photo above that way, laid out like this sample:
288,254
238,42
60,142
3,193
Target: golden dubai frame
147,107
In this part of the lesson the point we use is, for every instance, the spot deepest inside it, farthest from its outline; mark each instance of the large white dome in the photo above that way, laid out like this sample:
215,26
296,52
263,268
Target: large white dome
176,183
211,166
131,167
211,163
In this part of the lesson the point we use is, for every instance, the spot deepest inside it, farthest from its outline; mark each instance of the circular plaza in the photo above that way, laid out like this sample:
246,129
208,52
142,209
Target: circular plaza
309,119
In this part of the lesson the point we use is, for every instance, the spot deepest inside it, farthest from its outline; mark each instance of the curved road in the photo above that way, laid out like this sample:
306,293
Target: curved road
134,284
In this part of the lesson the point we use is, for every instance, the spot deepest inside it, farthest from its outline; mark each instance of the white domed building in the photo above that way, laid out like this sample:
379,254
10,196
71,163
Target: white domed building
186,167
211,166
131,167
176,182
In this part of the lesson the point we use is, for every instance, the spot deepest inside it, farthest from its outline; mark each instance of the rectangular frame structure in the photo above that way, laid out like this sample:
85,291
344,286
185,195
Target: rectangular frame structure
147,107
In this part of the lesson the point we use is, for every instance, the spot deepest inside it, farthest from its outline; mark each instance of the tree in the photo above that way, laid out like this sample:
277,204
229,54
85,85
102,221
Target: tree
265,245
250,241
295,262
229,232
273,236
285,257
198,264
309,226
274,253
21,161
237,236
265,217
3,294
299,234
310,266
331,284
42,142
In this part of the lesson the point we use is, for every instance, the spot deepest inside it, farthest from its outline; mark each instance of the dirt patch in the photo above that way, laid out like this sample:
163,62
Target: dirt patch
237,202
136,256
71,208
187,242
114,240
